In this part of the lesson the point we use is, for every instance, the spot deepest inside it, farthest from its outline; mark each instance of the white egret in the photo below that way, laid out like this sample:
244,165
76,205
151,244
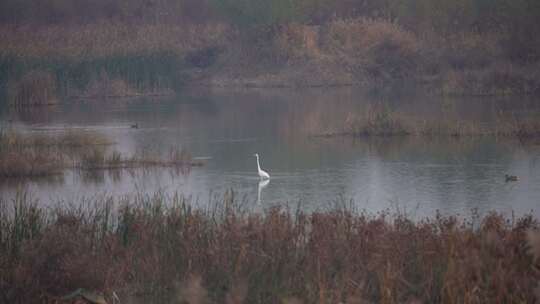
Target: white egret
262,173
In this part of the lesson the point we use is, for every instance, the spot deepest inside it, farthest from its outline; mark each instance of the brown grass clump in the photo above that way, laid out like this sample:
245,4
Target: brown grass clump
146,243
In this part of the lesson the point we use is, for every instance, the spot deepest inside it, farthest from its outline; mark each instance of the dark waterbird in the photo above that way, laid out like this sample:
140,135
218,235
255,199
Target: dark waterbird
510,178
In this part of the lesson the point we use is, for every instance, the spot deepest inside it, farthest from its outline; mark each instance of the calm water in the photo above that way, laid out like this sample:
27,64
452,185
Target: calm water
415,175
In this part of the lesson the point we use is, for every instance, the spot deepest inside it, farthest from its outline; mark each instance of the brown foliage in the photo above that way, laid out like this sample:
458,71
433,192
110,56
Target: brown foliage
226,255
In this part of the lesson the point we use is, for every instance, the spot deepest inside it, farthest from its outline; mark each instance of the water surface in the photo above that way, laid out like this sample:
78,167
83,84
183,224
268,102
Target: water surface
416,175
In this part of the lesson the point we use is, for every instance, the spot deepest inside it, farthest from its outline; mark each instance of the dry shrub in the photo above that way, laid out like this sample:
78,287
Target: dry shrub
380,47
295,42
34,88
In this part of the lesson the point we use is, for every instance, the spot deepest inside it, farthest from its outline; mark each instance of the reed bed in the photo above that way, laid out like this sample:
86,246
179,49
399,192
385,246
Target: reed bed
42,65
41,155
164,248
381,121
100,160
29,164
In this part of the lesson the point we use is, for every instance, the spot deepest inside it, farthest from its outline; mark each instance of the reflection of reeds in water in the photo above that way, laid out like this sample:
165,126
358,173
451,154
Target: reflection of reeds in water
147,243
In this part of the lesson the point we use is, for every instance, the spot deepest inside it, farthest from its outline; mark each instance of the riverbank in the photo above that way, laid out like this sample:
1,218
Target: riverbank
163,248
46,64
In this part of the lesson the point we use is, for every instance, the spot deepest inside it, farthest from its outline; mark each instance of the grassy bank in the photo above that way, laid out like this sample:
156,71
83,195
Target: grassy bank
161,247
42,155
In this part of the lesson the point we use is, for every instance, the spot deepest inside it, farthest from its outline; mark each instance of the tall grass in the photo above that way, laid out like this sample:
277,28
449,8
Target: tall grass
101,60
153,244
383,121
118,59
451,47
40,155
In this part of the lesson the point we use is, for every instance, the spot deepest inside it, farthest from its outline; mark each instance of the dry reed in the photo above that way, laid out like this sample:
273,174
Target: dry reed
382,121
146,243
39,155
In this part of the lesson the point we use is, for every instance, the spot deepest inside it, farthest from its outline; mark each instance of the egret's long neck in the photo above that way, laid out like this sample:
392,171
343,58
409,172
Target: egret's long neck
258,166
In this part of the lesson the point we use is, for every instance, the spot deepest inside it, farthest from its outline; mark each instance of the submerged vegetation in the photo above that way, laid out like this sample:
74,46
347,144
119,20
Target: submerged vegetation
105,49
41,155
163,247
